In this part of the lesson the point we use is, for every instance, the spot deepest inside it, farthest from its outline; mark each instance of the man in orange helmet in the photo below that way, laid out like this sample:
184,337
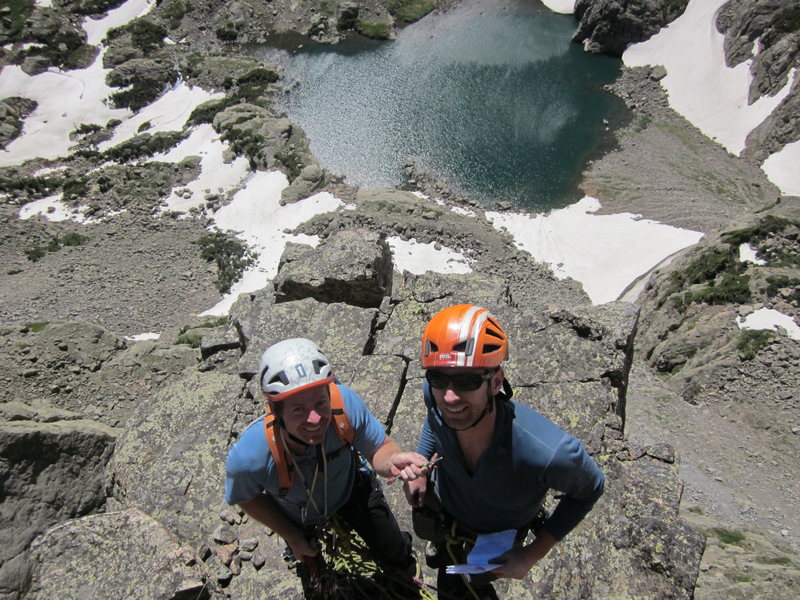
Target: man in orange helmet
499,458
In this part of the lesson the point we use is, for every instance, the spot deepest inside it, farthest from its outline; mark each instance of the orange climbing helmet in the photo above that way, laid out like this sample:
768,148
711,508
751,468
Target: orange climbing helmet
463,336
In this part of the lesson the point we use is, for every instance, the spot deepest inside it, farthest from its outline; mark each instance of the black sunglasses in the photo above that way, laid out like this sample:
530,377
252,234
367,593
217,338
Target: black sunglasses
463,382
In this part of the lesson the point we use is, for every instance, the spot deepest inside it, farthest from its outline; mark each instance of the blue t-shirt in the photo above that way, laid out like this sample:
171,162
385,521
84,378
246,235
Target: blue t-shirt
251,470
528,455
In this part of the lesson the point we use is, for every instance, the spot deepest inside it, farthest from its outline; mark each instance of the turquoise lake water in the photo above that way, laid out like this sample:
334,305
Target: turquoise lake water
492,97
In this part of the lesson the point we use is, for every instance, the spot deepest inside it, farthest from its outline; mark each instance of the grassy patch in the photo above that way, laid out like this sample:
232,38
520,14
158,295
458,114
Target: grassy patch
727,536
752,341
230,255
766,227
410,10
36,326
375,31
737,577
783,561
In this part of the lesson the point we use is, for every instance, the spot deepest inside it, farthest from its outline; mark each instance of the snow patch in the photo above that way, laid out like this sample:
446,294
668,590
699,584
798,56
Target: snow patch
770,319
605,253
417,258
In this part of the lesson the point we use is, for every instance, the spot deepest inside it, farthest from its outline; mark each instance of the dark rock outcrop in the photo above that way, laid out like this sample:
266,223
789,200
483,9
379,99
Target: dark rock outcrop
51,470
13,112
766,32
608,26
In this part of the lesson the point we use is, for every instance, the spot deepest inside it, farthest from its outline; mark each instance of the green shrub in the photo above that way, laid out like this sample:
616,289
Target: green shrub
55,244
752,341
227,33
35,253
12,15
146,35
173,13
259,75
36,326
293,163
88,128
73,239
144,145
205,112
75,188
731,289
230,255
34,186
766,227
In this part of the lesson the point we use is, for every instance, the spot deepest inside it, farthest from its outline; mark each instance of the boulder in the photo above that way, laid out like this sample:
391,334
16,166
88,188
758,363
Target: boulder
311,178
341,330
354,267
51,471
117,555
170,460
254,132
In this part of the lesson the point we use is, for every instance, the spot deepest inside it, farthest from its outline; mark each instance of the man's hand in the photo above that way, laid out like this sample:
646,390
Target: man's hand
415,491
300,546
517,562
263,509
388,461
409,466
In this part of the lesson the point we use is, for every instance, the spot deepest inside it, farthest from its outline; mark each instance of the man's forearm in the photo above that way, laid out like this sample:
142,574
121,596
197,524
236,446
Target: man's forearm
539,548
264,510
381,460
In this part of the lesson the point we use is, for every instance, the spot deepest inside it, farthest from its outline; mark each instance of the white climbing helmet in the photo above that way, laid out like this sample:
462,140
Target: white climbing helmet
292,365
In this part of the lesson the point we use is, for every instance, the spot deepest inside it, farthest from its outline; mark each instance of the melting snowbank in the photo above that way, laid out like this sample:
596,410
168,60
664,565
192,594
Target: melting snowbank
606,253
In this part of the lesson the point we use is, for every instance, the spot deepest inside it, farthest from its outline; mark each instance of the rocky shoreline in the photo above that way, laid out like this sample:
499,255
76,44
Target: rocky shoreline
70,376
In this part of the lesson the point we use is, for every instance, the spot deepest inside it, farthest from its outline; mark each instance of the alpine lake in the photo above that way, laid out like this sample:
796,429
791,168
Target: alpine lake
490,97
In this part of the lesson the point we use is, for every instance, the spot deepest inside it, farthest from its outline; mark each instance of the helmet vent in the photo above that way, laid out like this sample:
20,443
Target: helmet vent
489,348
318,366
466,346
430,347
280,377
493,333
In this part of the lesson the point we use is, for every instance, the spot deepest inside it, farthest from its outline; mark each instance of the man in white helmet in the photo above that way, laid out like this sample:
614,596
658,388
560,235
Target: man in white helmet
317,473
